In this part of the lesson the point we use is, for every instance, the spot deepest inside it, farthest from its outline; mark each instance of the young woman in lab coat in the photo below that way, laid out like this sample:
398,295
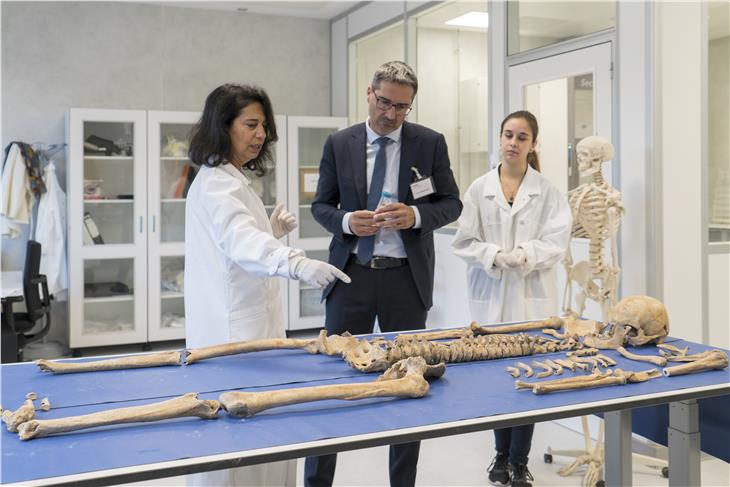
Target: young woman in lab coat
513,231
233,256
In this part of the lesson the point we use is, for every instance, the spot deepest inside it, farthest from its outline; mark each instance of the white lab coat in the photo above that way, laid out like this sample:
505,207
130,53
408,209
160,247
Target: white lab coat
231,292
539,221
51,231
17,197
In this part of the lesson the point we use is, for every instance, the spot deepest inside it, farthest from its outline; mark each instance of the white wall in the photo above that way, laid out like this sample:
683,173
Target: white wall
680,61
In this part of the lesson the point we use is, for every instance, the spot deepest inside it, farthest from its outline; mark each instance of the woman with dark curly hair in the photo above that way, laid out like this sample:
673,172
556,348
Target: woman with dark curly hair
233,254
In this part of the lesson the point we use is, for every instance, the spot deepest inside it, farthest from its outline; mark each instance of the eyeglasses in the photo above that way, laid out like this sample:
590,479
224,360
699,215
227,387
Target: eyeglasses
384,104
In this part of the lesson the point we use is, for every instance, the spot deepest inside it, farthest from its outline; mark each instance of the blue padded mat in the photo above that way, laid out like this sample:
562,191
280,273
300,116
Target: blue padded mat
468,390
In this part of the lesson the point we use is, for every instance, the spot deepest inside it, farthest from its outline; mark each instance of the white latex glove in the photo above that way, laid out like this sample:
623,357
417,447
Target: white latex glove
500,260
516,258
282,221
317,273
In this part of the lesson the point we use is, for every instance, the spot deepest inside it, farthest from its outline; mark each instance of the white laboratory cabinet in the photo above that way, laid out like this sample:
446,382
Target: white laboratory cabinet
127,179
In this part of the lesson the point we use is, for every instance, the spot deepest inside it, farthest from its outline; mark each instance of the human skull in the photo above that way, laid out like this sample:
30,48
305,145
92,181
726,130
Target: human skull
592,151
645,318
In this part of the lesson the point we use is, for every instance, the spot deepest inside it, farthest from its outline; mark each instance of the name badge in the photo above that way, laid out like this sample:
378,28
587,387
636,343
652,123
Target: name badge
421,186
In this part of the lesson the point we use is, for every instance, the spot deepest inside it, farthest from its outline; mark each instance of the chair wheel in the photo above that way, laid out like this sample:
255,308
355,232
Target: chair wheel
548,458
665,472
601,483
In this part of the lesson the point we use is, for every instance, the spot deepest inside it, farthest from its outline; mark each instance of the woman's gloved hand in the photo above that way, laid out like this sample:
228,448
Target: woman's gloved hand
516,258
316,273
500,260
513,259
282,221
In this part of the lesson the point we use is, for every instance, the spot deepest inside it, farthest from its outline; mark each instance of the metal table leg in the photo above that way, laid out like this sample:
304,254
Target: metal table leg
618,448
684,444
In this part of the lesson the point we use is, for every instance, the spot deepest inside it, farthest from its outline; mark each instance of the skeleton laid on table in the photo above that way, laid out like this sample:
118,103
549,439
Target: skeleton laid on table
408,360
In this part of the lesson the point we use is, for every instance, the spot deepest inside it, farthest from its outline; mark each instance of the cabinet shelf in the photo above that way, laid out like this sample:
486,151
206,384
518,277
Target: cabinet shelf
172,200
109,299
171,295
109,201
108,158
174,158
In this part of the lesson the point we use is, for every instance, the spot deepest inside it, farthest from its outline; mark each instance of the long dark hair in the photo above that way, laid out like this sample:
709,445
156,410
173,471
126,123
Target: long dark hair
532,158
210,142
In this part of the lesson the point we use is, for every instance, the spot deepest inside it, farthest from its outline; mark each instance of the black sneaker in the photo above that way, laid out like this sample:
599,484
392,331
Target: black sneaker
499,471
521,476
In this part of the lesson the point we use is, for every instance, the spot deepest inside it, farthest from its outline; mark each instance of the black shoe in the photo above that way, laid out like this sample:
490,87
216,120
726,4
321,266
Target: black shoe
499,471
521,476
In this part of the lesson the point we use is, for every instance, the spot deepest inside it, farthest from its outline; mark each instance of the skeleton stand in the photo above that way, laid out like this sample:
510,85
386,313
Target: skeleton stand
597,211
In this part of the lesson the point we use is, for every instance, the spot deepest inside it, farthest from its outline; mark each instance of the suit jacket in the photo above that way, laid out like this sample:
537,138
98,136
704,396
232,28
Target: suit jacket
342,187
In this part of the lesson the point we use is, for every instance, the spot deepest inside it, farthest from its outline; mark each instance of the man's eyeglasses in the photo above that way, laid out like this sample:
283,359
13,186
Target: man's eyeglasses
384,104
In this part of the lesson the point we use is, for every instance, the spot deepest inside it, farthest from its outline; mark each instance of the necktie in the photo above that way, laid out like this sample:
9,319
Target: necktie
366,245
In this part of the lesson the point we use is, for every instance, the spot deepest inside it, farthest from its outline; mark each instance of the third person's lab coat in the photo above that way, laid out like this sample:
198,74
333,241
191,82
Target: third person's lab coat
232,291
539,221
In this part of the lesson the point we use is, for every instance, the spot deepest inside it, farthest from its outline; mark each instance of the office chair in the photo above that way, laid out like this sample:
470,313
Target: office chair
37,300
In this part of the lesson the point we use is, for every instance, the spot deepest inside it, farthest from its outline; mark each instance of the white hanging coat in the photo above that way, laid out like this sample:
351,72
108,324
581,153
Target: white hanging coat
231,292
51,232
539,221
16,205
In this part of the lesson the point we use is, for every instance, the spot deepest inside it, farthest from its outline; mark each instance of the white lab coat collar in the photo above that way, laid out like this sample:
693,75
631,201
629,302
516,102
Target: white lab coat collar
529,188
235,172
373,136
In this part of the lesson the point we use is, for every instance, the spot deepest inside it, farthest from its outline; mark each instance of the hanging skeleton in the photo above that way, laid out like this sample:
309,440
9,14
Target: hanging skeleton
597,210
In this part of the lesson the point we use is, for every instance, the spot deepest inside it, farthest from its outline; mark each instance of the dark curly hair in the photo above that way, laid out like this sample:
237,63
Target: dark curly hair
210,142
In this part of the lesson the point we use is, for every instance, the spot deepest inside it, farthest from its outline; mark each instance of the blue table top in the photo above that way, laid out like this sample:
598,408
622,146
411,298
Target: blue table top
467,391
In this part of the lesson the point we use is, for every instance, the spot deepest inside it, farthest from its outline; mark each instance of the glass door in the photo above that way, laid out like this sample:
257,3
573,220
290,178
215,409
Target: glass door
106,227
306,138
170,174
571,96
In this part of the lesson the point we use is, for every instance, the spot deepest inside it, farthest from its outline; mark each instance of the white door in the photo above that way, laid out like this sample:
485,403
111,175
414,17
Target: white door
571,96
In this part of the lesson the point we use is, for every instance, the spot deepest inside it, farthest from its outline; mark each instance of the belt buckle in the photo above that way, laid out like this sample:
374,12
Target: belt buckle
375,263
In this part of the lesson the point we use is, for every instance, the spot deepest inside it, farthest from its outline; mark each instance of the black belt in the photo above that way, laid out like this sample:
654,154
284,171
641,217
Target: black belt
380,262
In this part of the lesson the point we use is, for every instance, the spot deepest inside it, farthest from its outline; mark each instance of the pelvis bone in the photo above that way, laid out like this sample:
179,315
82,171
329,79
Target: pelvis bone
406,378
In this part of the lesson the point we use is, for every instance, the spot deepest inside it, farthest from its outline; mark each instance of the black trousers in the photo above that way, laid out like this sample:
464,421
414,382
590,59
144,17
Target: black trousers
392,297
514,442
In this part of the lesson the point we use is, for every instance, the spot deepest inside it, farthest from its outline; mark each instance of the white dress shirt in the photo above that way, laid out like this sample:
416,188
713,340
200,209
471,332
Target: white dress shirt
388,242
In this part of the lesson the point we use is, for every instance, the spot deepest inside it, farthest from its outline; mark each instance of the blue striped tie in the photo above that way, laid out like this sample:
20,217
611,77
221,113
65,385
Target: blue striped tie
366,245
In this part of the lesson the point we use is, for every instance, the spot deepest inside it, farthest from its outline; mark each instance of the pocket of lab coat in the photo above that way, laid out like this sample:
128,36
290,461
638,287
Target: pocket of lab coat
480,284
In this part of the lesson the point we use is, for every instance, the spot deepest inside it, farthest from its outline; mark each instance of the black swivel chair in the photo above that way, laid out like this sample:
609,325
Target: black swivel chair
37,300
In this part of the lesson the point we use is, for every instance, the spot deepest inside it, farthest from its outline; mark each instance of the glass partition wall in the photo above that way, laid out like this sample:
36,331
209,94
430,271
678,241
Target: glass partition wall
450,58
718,107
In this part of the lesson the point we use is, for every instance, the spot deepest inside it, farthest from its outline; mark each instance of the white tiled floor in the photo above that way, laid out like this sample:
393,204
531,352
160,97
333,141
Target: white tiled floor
462,461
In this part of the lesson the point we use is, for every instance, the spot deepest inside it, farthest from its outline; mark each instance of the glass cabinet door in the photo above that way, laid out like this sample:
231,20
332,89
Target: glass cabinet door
306,139
107,233
170,174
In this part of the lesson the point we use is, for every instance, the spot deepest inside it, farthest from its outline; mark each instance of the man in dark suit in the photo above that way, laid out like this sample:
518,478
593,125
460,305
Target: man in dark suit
384,186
